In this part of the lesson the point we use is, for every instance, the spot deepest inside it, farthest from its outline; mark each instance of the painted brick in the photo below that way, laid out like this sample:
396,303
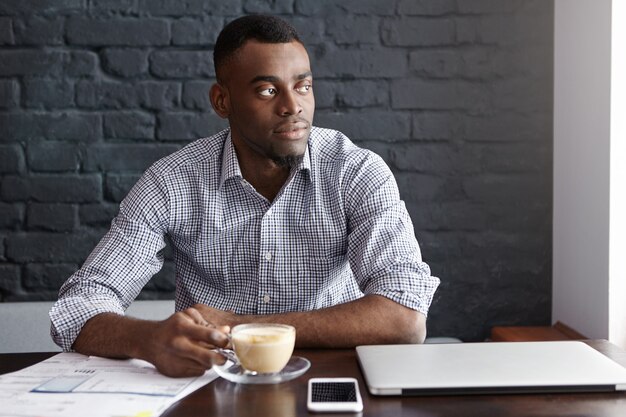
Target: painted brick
437,126
6,31
2,257
479,62
325,94
182,64
504,30
511,188
331,7
51,217
428,7
98,214
188,126
196,95
451,216
367,62
20,62
120,31
51,156
190,7
15,7
196,32
310,29
38,30
80,64
450,94
420,188
508,126
356,93
151,95
48,94
372,125
50,247
521,94
526,157
417,31
437,63
159,95
440,95
11,217
125,62
48,276
52,188
11,159
9,94
363,93
353,29
125,158
123,7
129,125
489,6
118,185
268,6
68,126
10,278
108,95
423,95
439,158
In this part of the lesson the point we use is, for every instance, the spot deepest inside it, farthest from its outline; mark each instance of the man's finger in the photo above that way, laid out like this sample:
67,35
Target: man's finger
197,317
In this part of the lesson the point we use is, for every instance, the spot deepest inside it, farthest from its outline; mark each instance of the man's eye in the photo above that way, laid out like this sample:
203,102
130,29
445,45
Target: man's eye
268,92
304,88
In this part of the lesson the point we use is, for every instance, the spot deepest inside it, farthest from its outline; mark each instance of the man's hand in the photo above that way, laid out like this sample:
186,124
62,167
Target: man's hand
179,346
214,316
182,345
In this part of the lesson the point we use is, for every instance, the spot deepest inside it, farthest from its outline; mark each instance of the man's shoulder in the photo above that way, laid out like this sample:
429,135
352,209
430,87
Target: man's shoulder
199,152
329,146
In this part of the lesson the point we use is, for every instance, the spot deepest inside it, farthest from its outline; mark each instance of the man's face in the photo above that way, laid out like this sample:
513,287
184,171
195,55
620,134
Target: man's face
268,96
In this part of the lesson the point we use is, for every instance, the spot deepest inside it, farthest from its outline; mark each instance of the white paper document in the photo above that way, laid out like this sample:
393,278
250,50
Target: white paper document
70,384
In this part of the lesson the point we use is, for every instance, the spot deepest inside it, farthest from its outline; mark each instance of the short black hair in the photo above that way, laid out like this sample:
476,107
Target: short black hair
262,28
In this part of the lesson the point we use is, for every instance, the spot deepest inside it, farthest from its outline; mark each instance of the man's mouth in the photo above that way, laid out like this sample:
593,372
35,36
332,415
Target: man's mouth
291,127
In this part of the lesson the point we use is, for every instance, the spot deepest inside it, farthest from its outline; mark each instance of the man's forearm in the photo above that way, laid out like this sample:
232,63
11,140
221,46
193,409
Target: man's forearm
181,345
372,319
114,336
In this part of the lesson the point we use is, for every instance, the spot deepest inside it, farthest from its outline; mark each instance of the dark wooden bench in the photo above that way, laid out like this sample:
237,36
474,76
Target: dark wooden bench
558,331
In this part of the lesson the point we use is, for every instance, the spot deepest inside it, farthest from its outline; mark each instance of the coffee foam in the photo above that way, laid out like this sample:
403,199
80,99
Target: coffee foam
263,335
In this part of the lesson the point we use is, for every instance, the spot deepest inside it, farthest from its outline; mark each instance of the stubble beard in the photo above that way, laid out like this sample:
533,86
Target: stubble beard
288,161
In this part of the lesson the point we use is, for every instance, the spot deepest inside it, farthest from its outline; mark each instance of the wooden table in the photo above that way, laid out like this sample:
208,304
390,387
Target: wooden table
222,398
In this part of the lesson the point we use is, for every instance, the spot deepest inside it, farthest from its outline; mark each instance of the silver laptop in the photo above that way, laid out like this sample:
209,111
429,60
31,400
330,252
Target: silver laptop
488,368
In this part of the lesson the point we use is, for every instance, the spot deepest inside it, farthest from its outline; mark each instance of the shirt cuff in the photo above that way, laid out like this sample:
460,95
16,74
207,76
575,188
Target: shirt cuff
69,315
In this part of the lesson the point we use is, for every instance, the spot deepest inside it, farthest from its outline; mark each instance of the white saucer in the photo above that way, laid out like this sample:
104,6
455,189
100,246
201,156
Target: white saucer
235,373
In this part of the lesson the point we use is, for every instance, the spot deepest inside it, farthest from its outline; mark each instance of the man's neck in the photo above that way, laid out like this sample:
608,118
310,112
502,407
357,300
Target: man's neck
265,176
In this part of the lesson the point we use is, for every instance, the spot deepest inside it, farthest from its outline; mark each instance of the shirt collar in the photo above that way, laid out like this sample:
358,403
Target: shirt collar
230,163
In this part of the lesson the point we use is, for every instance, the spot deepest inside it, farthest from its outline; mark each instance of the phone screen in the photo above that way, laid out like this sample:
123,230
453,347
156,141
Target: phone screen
330,392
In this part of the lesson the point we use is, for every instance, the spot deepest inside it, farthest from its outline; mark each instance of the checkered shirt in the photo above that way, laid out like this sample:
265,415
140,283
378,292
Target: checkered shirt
336,230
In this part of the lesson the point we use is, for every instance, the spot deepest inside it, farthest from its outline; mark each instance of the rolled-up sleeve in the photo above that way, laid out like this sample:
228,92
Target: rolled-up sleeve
382,249
126,258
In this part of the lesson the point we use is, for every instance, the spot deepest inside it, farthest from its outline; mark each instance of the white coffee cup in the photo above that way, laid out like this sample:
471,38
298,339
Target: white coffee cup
263,347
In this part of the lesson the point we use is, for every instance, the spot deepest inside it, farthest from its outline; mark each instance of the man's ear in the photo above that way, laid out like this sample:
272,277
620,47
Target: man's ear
220,100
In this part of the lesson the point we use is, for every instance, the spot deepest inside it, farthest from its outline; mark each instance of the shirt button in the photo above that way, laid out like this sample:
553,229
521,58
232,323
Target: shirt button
266,298
268,256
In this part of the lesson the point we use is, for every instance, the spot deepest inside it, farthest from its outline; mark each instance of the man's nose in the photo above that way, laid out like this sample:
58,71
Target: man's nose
290,104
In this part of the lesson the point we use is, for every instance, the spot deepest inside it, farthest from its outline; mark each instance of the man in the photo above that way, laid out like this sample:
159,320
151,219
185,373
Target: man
271,220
